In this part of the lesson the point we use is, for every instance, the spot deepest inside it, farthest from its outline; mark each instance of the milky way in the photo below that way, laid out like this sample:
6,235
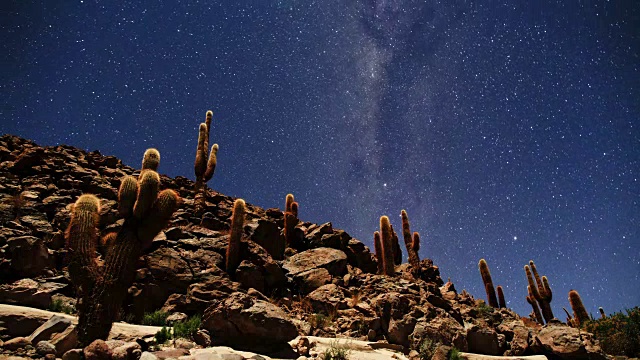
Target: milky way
507,131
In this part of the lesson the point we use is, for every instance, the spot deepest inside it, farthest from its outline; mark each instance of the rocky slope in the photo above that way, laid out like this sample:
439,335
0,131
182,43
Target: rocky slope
326,286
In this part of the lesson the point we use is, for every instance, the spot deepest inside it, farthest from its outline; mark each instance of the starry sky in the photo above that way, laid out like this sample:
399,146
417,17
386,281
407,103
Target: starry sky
508,130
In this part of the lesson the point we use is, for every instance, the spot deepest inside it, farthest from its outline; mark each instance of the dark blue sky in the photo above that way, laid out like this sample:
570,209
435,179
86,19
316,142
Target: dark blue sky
507,131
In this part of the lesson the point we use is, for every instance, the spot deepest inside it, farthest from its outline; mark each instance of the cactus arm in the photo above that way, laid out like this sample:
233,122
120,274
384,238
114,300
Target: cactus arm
377,244
233,248
488,283
386,235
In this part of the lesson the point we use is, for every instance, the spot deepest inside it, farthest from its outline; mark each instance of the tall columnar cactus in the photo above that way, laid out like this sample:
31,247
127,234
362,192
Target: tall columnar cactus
102,287
540,290
410,242
233,248
397,251
205,164
602,314
488,283
579,312
501,302
534,304
377,244
386,235
290,219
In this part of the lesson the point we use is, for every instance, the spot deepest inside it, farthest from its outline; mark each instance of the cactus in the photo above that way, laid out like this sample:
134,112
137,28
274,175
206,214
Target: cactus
397,251
290,219
205,164
488,283
102,287
386,237
501,302
602,314
409,242
542,291
570,321
377,244
534,304
580,314
233,249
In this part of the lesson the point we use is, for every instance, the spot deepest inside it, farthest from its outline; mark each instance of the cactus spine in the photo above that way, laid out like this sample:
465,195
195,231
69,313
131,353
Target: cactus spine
233,248
386,235
377,244
205,164
102,288
580,314
409,242
534,304
540,289
488,283
501,302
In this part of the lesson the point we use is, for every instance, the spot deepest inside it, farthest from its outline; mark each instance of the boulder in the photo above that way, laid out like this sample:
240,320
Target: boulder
248,323
29,256
443,329
300,265
56,324
16,343
29,292
97,350
483,340
327,299
565,342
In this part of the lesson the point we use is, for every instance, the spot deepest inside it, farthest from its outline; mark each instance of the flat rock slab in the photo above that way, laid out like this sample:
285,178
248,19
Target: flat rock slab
357,349
24,320
335,261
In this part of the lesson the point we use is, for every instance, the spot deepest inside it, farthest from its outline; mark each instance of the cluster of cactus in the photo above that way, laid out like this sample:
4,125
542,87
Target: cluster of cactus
205,164
411,241
235,236
387,245
102,286
580,315
290,219
540,293
492,299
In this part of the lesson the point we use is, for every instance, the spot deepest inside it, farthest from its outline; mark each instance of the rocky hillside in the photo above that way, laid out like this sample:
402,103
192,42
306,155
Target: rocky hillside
325,285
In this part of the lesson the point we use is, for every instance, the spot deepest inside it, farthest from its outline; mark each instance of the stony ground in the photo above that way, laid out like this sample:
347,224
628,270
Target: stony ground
325,286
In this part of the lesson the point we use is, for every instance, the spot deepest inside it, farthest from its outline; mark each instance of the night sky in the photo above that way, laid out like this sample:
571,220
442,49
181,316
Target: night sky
508,132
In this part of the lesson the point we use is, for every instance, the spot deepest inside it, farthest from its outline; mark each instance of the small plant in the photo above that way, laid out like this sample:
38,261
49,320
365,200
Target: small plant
619,333
156,318
356,298
163,335
335,352
57,305
319,321
454,354
484,309
427,349
187,328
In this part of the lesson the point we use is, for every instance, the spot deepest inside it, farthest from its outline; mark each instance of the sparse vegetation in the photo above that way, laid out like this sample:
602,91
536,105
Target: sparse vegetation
156,318
484,309
319,321
57,305
163,335
619,334
187,328
454,354
335,352
427,349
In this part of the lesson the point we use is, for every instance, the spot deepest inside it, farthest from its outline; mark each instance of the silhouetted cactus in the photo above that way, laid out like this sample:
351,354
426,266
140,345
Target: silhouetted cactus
501,302
386,236
397,251
410,242
103,287
377,244
488,283
205,164
540,290
534,304
290,219
233,248
580,314
602,314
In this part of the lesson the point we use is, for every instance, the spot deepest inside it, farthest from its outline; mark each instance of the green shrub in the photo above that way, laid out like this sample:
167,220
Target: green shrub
335,352
156,318
57,305
484,309
163,335
319,321
619,333
187,328
427,349
454,354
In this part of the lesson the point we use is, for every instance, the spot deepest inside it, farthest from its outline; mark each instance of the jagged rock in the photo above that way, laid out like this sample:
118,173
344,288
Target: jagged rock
65,341
335,261
44,347
29,293
202,338
267,234
245,322
176,317
443,329
400,329
327,298
360,257
97,350
17,343
566,342
73,354
29,256
56,324
517,335
482,340
127,351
